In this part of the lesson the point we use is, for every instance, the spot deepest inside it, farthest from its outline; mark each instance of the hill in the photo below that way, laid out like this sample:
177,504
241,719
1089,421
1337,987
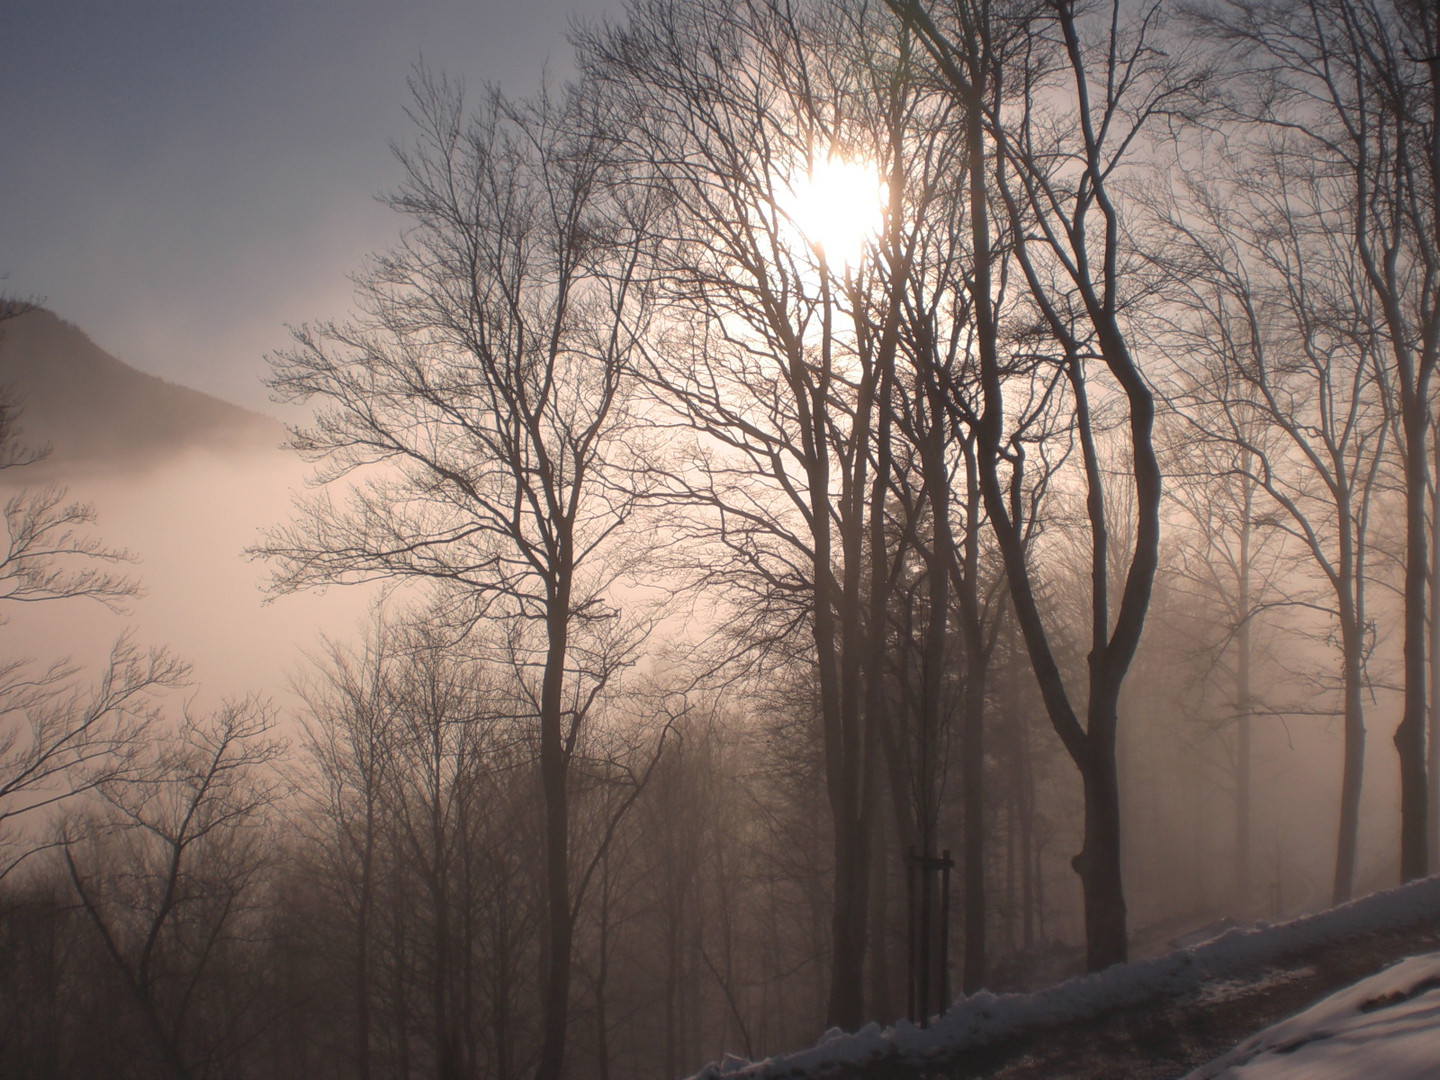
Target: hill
98,414
182,480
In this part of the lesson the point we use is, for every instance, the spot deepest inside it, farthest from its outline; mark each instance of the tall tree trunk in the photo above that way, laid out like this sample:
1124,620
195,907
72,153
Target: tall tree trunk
554,761
1243,703
883,1005
1349,587
1410,734
1353,771
363,930
972,765
1432,744
973,778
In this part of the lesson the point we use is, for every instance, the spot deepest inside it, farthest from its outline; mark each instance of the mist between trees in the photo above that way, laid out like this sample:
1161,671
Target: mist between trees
1078,523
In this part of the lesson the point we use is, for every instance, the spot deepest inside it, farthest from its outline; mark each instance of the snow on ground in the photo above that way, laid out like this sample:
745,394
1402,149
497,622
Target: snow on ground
987,1018
1385,1026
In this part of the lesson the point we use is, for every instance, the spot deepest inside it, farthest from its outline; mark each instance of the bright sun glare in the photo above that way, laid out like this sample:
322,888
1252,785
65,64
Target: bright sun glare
838,205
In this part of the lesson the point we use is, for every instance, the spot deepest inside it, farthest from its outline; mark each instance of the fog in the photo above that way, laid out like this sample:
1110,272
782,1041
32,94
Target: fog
188,522
783,639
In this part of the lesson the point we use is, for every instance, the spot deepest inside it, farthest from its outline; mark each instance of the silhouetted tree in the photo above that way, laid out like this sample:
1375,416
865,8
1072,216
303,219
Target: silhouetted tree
1054,100
166,870
484,402
1353,86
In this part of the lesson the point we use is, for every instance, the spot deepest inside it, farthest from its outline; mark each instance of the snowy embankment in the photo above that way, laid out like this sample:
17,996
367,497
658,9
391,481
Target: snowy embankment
988,1018
1385,1026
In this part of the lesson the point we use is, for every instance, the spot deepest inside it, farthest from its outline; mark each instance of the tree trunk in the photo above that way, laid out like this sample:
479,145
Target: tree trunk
1432,745
972,765
973,777
1354,767
363,932
1099,861
1410,734
1243,703
849,922
555,1004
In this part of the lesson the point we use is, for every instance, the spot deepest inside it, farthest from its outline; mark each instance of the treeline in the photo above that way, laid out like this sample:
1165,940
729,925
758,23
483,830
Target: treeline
820,439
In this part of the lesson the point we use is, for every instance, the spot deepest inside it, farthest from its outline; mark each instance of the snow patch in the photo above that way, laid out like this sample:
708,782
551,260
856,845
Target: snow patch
1385,1026
985,1018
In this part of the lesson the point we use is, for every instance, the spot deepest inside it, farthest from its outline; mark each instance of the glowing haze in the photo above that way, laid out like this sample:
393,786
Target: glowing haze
837,205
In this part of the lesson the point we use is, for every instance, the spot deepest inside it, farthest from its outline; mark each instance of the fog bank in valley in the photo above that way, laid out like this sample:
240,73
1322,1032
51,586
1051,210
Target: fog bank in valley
185,483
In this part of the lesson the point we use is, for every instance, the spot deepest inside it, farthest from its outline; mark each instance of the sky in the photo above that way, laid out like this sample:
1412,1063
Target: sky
183,178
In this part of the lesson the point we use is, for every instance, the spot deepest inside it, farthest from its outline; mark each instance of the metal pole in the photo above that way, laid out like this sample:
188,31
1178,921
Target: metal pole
910,938
927,932
945,866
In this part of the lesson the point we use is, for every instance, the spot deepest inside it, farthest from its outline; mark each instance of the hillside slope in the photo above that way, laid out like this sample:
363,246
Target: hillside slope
185,482
99,414
1148,1020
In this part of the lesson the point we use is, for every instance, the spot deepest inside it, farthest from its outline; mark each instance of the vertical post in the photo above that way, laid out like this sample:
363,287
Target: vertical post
945,864
911,937
928,930
927,934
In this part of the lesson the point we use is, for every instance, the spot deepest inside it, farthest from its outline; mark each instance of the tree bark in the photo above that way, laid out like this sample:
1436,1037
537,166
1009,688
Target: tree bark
1410,734
554,772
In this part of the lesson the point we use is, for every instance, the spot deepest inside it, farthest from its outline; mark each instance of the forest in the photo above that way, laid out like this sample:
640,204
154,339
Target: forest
872,501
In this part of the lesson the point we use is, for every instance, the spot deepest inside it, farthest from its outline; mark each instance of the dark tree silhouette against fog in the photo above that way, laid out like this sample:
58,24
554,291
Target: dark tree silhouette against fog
1354,86
758,447
484,404
59,738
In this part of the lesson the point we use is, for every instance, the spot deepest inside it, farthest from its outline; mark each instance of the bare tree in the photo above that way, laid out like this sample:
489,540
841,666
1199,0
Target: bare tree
1354,86
483,403
779,363
936,489
165,870
1054,103
57,738
1293,382
48,554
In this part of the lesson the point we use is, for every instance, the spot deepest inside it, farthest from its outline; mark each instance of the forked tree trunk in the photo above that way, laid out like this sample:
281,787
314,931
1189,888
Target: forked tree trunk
1106,940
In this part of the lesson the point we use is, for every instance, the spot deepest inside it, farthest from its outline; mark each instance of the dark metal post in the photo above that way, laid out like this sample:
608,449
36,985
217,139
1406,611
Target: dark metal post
911,936
945,864
928,933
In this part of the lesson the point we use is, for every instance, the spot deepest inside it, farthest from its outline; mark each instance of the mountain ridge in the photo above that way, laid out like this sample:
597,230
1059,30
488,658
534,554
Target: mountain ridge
98,414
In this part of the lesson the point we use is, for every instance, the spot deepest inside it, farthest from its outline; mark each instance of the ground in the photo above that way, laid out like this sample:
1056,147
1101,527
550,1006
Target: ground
1156,1018
1166,1038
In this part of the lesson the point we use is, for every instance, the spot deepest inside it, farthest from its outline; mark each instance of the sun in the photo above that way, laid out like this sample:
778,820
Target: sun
837,205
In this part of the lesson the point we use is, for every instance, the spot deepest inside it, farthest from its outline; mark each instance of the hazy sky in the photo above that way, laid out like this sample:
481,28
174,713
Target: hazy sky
183,177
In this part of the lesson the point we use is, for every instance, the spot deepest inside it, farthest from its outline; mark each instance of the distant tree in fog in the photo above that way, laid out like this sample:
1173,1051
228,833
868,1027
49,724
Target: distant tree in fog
1290,375
166,870
1229,569
57,737
1351,90
420,833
